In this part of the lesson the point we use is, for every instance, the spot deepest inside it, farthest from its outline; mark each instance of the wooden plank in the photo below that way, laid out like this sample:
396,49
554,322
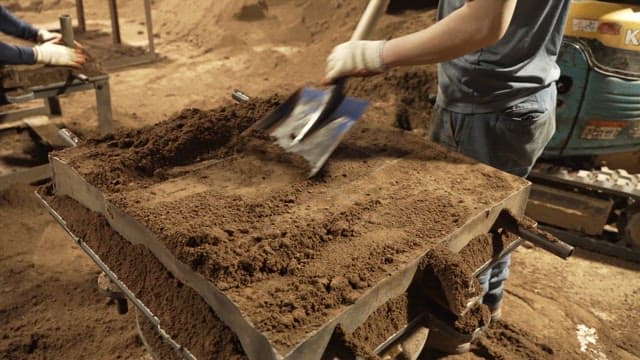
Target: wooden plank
46,131
26,176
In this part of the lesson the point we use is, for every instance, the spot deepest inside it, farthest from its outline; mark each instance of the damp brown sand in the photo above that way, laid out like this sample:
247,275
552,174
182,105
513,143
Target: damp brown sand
292,253
183,314
505,341
451,278
440,272
396,313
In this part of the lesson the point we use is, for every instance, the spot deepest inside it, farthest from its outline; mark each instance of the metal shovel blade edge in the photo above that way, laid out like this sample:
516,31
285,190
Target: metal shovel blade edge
303,107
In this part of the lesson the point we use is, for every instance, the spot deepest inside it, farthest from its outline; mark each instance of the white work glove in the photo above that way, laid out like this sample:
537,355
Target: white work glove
53,54
46,36
355,58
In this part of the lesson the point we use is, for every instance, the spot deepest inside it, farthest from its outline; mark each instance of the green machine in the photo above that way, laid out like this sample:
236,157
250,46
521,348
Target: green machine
599,90
598,114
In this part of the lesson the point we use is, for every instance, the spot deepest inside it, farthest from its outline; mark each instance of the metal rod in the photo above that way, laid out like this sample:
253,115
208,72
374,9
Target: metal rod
103,102
414,324
69,137
82,25
66,28
546,241
239,96
147,14
125,290
115,22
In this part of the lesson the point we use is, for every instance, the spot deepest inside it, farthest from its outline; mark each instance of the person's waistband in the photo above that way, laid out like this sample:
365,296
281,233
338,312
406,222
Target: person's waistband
467,107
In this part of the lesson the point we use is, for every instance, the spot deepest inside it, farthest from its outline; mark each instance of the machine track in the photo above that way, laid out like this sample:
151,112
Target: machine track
597,210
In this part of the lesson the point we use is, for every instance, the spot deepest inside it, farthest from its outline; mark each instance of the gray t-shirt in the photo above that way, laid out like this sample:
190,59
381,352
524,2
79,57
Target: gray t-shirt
520,64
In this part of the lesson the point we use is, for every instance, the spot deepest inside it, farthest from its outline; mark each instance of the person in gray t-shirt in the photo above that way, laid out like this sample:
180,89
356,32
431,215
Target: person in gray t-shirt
496,95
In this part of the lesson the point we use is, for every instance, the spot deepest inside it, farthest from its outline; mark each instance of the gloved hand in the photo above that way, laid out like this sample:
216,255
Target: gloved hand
355,58
53,54
46,36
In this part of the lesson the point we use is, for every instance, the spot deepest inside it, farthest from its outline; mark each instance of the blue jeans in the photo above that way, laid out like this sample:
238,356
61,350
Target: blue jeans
510,140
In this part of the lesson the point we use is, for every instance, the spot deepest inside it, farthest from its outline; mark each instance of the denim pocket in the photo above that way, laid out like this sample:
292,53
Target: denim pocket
525,130
528,110
441,131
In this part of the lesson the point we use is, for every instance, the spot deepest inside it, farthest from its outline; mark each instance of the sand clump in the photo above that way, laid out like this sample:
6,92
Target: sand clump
442,276
251,10
506,341
192,135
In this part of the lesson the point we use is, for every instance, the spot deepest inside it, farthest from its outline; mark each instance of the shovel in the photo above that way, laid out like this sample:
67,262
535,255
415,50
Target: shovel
312,122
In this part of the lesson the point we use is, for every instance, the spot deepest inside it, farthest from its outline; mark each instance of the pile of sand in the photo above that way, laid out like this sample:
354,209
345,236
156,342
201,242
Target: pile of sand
228,23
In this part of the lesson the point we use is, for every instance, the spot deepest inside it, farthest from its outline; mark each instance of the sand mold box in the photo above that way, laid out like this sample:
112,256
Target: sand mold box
290,252
188,319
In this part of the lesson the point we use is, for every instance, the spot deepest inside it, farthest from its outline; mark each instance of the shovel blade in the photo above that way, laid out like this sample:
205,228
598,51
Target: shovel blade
303,109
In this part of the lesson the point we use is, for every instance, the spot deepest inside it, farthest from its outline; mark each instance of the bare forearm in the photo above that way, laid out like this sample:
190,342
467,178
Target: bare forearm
477,24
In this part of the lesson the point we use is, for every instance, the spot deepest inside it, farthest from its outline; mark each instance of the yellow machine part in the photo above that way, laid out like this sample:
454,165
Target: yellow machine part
615,25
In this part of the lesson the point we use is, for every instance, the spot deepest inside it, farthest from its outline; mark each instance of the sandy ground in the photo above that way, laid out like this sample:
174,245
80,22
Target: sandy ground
583,308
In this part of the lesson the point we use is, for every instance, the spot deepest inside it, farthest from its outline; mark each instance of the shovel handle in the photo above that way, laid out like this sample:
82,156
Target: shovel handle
369,18
367,22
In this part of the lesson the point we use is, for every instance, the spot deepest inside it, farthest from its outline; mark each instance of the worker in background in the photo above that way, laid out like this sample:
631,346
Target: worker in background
48,51
496,86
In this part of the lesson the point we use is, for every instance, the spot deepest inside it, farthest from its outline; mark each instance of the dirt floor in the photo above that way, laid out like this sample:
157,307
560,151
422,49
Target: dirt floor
586,307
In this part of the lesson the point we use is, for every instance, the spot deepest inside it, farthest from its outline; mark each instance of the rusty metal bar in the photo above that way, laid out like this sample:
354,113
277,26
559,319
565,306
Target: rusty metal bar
147,14
82,25
115,22
103,101
186,354
66,28
549,243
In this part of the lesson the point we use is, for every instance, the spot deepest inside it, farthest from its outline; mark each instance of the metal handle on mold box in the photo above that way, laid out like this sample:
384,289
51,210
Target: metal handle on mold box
556,246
